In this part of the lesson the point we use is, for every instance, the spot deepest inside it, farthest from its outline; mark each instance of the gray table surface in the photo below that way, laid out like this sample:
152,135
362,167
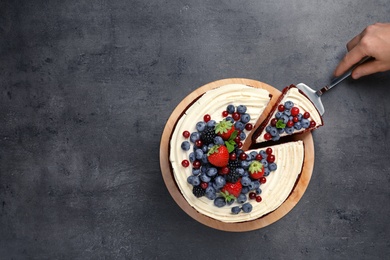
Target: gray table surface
86,90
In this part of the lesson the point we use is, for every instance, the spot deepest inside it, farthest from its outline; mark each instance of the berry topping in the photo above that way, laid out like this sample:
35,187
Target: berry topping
248,127
224,129
198,191
232,189
306,115
204,185
268,150
185,163
196,164
186,134
218,155
280,108
208,136
232,157
198,143
252,195
225,113
225,170
267,136
207,118
236,116
312,123
271,158
263,180
259,157
258,198
294,111
256,170
243,156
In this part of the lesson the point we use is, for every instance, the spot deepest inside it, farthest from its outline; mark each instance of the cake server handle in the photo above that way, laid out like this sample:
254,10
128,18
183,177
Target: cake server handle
338,79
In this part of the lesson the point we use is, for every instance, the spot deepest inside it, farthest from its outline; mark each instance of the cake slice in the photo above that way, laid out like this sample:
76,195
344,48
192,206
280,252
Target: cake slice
293,113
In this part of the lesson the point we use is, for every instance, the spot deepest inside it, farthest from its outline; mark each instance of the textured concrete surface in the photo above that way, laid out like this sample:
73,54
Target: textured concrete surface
86,89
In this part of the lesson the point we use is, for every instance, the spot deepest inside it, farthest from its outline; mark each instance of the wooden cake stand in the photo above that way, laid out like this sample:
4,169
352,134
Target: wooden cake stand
288,204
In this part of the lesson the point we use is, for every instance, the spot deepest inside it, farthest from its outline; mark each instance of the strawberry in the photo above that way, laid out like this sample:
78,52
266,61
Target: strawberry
233,189
218,156
256,170
224,129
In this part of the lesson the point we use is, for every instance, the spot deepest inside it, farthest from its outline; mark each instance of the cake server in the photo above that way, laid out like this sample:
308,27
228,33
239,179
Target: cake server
315,95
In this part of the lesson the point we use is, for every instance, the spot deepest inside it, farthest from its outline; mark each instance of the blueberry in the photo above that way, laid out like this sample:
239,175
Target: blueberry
190,179
220,182
253,155
268,128
200,126
245,190
280,130
205,159
251,186
245,164
185,145
218,140
219,202
192,157
287,112
285,119
245,118
211,195
195,172
195,181
204,168
211,123
272,167
298,125
245,181
241,198
288,104
210,189
273,131
195,136
247,207
240,171
299,116
276,138
205,148
212,171
266,172
263,154
242,136
289,130
230,202
264,162
256,184
239,126
199,154
229,118
305,123
210,146
241,109
278,115
236,209
230,109
290,118
258,191
204,178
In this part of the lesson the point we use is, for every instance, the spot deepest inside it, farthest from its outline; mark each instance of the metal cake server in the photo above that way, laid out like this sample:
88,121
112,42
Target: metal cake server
315,95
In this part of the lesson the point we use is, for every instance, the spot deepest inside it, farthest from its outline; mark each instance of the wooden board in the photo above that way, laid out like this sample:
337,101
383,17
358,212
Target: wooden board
291,201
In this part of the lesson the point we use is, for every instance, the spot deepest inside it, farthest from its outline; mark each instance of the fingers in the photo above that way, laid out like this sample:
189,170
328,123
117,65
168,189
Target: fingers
367,69
350,59
352,43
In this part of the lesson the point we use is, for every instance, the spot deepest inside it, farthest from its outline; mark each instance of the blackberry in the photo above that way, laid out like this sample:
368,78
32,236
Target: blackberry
198,191
233,175
208,135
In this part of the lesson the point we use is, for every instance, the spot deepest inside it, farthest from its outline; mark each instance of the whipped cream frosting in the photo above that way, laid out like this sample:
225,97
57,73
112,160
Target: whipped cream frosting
288,156
300,101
